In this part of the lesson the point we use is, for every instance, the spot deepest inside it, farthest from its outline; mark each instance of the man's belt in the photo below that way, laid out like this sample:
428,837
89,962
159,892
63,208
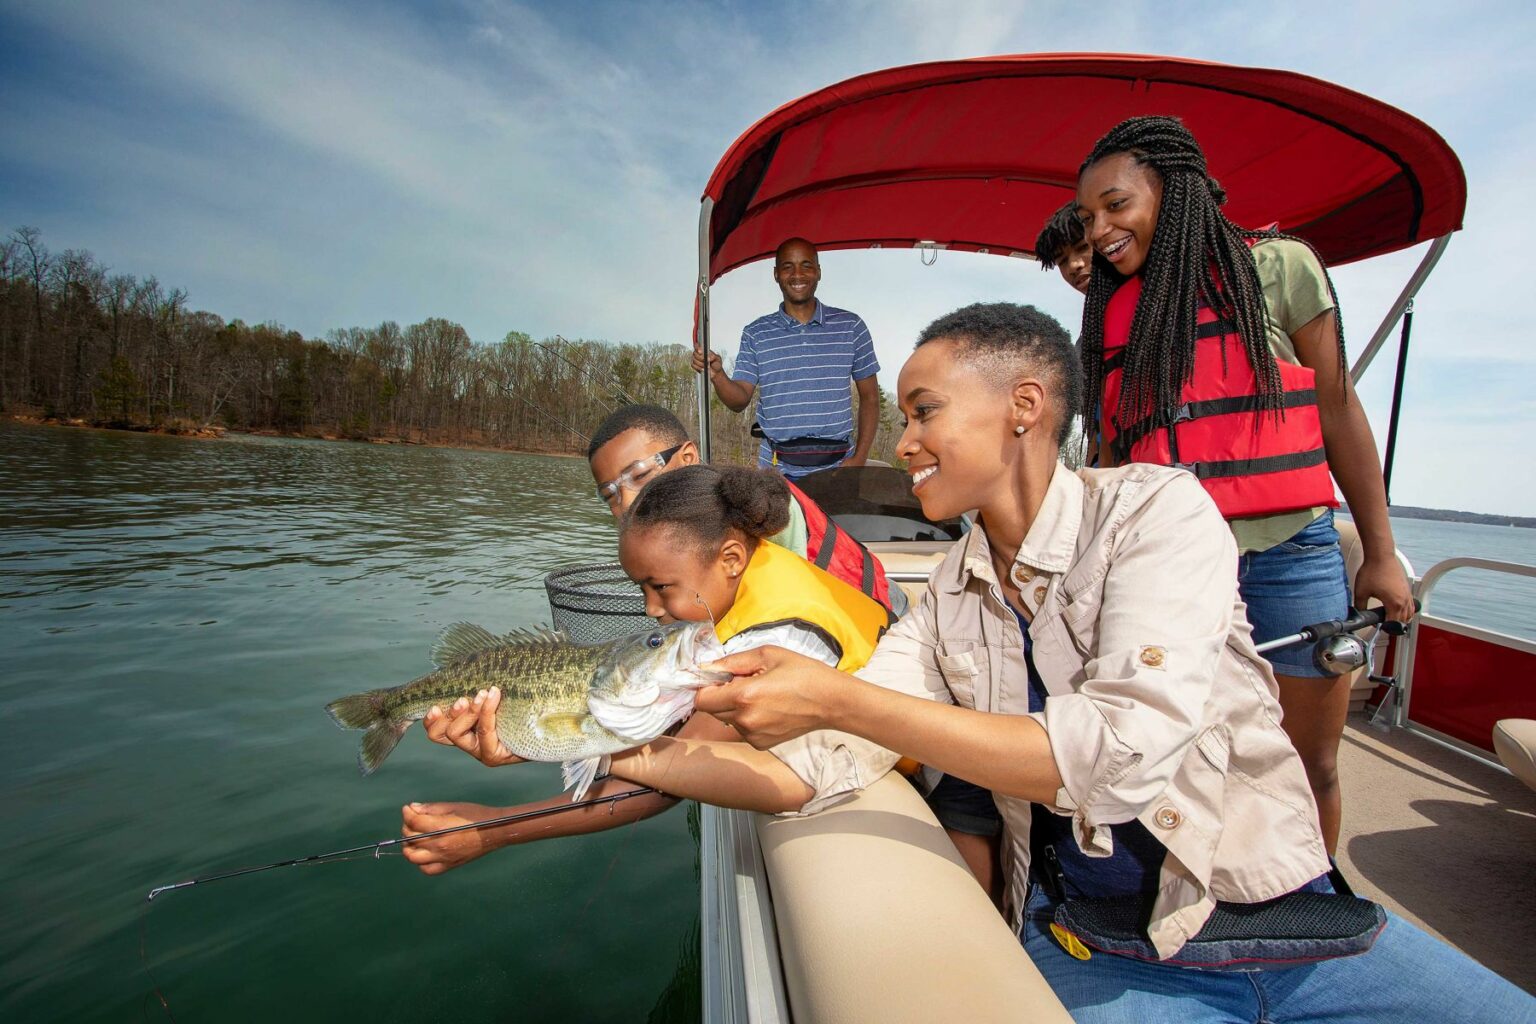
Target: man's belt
806,452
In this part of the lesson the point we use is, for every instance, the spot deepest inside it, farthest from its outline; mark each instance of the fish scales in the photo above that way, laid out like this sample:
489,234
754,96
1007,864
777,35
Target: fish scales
552,692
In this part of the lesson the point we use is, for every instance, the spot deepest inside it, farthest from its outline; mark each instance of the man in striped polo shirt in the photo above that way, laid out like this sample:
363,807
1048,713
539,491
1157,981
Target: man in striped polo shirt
798,361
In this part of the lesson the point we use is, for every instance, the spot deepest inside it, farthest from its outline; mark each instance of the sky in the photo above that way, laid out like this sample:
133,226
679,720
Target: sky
537,167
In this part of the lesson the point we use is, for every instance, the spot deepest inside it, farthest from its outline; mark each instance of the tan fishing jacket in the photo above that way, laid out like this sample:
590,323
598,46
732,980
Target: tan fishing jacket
1159,708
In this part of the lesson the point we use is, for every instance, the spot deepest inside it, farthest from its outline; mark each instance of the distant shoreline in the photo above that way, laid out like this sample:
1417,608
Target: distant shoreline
1444,515
221,433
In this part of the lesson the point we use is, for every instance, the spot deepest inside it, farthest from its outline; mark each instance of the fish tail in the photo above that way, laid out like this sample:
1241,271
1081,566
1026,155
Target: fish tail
366,711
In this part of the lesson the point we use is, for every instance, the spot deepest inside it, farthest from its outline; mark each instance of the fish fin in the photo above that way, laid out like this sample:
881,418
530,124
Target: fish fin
582,774
378,741
559,723
534,635
461,641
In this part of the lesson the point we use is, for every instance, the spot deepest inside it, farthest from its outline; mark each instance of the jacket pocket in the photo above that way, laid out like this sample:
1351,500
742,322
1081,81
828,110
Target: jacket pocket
962,663
1081,619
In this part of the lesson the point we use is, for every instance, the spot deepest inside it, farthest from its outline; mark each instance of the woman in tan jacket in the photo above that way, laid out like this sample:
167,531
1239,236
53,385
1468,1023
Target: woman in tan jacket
1083,655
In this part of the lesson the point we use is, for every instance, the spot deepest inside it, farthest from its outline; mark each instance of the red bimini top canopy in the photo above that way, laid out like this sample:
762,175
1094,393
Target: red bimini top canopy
977,154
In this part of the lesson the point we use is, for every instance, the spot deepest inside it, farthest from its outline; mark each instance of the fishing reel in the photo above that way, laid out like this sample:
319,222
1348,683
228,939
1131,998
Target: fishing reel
1340,655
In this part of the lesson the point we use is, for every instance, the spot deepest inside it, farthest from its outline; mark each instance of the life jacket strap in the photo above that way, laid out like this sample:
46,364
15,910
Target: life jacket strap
1211,329
1255,467
1127,438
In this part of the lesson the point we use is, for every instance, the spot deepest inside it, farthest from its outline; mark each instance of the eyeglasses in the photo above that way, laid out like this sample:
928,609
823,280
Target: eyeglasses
635,476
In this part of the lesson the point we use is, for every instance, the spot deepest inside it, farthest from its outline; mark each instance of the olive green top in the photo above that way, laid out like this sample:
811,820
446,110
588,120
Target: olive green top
1296,293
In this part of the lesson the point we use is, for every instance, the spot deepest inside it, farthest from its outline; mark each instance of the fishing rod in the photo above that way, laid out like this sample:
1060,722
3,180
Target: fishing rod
512,392
587,372
378,848
1338,650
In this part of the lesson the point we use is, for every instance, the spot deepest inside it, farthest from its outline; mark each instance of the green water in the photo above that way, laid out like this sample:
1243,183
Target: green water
176,614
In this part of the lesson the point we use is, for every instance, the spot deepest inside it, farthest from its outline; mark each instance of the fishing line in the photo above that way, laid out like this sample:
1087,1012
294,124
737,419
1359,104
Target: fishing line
380,848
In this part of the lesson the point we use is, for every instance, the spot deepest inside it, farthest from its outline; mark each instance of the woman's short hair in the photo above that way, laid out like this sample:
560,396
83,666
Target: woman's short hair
1004,339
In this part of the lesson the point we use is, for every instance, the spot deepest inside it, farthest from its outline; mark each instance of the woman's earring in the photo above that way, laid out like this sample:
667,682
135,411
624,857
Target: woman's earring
1018,431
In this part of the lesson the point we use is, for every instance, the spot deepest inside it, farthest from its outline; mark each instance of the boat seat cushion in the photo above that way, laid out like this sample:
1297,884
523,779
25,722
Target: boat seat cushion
1514,739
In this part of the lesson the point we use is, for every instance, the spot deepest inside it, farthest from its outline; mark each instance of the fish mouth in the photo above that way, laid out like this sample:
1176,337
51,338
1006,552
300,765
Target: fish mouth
704,647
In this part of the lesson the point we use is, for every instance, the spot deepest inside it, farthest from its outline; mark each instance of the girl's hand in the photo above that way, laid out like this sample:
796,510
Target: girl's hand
471,726
444,853
777,695
1384,579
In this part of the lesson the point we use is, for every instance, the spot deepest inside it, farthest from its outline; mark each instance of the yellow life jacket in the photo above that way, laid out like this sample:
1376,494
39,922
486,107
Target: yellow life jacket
779,586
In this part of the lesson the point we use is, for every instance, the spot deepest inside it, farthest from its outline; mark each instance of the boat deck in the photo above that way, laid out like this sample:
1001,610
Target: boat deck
1444,841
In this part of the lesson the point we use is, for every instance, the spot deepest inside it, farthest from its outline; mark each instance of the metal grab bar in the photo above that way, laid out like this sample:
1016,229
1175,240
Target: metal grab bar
1403,662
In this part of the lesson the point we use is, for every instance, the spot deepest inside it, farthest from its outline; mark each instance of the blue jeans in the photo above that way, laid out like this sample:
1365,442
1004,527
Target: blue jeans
1294,584
1406,976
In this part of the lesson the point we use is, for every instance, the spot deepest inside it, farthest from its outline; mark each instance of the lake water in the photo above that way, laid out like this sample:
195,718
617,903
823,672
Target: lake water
177,613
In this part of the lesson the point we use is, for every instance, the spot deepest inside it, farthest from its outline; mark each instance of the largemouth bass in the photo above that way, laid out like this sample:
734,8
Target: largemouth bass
560,701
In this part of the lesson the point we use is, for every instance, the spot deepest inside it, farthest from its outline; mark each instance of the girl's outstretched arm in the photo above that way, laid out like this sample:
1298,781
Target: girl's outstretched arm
723,773
444,853
1352,456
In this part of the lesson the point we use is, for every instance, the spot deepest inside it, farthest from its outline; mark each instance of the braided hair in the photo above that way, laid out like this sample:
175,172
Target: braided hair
705,503
1197,256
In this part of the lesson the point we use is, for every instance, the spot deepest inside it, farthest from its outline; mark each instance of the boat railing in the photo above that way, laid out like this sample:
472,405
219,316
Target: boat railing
740,969
1431,641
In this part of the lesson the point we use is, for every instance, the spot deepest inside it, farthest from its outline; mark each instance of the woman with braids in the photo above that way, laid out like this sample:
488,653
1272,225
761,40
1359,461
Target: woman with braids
1082,654
1220,349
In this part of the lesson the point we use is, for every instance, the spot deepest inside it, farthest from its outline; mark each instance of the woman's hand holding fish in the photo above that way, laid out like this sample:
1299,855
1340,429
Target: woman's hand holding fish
777,695
444,853
471,726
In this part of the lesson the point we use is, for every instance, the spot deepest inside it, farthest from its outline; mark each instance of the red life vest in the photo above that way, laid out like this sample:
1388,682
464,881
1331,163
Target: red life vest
1250,463
833,550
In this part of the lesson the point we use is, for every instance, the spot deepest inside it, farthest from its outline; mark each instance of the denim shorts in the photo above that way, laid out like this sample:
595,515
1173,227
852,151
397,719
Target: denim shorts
965,807
1294,584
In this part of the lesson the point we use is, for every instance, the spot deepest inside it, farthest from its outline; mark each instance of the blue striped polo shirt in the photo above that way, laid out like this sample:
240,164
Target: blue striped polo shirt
801,371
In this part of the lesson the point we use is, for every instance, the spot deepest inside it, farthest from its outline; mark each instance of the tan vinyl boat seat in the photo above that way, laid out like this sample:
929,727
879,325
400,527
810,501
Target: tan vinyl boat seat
880,920
1514,740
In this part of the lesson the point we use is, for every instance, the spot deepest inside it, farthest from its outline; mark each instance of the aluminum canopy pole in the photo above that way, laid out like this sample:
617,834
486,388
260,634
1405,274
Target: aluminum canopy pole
701,328
1395,313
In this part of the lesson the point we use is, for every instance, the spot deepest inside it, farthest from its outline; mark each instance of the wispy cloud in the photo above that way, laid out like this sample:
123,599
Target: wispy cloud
517,166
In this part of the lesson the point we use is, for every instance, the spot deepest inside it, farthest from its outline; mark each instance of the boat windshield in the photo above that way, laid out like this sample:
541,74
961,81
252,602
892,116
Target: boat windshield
875,503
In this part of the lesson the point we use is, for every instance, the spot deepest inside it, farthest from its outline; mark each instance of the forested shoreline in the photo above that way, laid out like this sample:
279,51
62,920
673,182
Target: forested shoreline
82,344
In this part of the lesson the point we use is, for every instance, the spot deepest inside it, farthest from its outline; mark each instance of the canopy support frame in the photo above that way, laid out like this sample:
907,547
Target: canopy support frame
1400,306
701,327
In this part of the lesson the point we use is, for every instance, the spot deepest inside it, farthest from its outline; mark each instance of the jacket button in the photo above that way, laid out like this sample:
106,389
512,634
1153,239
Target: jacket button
1022,574
1040,594
1152,657
1167,817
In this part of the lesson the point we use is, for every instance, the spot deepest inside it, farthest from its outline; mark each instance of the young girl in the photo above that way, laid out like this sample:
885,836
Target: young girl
1218,349
694,539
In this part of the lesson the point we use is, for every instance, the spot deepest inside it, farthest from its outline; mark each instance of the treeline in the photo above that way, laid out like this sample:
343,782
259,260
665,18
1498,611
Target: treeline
79,343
